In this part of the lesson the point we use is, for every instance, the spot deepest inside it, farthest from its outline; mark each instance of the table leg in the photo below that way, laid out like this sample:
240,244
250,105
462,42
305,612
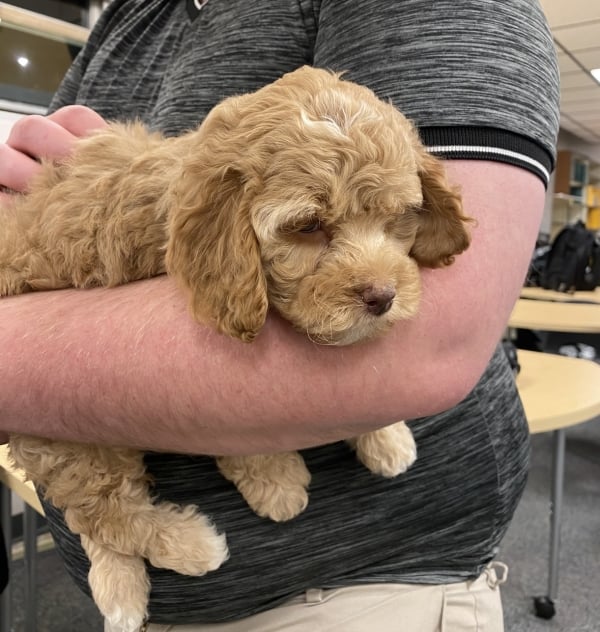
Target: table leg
544,606
558,474
6,521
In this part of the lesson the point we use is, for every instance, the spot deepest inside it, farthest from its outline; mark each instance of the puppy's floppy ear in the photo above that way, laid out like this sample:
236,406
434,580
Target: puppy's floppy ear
213,251
441,232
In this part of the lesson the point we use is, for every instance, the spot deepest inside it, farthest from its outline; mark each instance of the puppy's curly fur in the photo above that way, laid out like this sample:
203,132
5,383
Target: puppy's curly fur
311,196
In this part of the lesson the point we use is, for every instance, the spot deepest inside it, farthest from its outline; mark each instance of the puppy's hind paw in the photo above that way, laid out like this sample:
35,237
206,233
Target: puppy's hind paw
389,451
186,542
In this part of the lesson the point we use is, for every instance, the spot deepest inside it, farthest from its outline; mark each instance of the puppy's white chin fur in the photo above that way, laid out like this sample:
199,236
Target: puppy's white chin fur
371,327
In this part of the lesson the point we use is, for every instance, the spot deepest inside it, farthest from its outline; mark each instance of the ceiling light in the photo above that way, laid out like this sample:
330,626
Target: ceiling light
23,61
596,73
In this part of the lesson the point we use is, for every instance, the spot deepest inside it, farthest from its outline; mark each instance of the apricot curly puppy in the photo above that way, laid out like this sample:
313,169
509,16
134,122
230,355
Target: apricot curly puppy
311,196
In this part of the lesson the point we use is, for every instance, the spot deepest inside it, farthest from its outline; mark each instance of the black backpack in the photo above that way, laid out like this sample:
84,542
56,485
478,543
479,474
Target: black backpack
573,262
538,263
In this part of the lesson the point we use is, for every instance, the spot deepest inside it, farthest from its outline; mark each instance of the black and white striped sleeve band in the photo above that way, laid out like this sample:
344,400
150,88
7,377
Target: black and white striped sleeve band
481,143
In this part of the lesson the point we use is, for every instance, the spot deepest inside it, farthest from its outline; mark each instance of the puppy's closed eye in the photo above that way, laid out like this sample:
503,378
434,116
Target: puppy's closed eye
305,225
300,222
311,226
403,224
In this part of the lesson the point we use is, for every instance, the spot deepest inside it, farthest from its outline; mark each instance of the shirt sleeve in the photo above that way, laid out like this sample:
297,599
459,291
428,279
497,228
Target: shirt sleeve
478,77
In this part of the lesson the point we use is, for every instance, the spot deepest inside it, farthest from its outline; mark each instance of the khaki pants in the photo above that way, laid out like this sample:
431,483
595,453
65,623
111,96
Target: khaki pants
471,606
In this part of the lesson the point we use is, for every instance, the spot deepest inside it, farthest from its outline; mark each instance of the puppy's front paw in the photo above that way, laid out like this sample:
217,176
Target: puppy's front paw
126,620
274,486
389,451
279,502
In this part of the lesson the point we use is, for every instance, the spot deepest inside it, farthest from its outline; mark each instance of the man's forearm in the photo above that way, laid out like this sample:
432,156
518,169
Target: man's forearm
129,366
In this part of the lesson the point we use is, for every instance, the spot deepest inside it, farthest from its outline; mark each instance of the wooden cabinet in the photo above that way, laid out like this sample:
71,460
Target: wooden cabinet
574,197
572,175
593,207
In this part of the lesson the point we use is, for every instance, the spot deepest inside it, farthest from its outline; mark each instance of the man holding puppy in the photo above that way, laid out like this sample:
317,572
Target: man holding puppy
128,366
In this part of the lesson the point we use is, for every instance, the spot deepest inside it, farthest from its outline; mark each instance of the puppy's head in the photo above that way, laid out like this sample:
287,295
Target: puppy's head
315,197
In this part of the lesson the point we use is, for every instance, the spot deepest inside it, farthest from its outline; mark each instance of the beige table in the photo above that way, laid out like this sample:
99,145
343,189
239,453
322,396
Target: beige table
557,392
13,481
550,295
566,316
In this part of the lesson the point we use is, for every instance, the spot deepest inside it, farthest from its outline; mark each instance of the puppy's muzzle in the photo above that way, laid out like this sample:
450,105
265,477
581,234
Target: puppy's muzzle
378,299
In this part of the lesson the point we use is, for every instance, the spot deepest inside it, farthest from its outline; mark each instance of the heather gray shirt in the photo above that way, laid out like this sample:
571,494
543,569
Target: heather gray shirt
479,78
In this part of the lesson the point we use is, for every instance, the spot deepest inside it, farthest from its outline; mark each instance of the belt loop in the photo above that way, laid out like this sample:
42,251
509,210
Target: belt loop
313,595
495,578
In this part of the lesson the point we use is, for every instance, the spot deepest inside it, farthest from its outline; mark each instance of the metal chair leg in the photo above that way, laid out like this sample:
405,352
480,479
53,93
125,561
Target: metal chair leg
545,606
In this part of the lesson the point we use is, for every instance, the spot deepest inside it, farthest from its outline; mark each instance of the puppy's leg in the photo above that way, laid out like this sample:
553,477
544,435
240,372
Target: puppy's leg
274,485
388,451
120,586
15,253
104,493
11,282
168,535
24,265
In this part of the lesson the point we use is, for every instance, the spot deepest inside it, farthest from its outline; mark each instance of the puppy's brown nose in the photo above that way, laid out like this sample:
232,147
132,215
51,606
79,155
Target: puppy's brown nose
378,298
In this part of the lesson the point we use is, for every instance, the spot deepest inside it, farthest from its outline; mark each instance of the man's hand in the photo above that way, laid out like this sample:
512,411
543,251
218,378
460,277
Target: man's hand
35,137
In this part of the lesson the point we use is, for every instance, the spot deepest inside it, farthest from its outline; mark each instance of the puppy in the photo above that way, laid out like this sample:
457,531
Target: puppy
310,196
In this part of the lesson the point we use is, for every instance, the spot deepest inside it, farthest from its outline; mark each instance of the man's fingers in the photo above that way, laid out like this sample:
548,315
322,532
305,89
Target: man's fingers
35,137
39,137
5,199
16,170
77,119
